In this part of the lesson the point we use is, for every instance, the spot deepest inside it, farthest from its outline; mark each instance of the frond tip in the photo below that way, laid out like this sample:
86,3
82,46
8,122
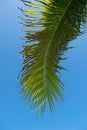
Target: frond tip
52,24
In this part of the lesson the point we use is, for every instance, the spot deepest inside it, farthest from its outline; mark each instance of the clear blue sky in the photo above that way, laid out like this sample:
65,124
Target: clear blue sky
69,115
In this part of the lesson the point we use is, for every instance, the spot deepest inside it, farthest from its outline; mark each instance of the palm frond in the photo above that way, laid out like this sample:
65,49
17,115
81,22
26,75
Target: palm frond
50,26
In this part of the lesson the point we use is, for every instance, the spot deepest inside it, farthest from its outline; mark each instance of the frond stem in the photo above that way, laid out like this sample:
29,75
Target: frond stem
48,46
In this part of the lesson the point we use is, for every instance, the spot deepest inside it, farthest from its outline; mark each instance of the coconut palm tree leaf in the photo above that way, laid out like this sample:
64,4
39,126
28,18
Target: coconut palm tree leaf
49,27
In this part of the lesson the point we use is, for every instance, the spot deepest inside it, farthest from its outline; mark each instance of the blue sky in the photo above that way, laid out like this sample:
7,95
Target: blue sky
69,115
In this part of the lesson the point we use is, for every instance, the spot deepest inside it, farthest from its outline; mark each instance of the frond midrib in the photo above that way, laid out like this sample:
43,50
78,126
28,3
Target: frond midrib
47,50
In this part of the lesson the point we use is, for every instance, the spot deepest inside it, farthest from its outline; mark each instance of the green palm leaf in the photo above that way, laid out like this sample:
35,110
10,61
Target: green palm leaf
50,26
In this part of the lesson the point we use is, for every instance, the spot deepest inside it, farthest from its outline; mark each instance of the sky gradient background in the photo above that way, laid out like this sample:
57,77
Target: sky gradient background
69,115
